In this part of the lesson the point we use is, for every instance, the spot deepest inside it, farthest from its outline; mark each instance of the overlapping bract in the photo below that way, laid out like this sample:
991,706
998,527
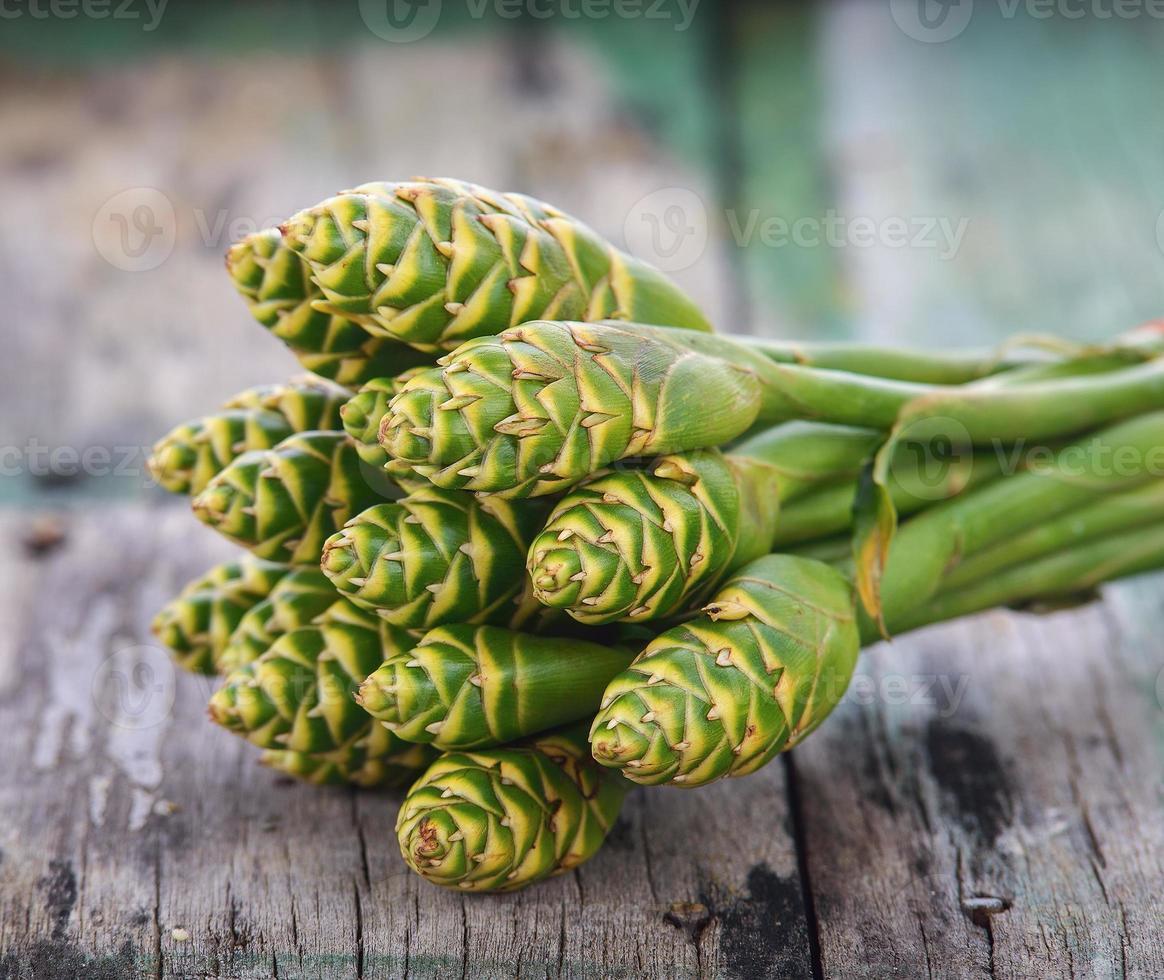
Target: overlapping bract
362,414
197,624
300,694
434,262
296,601
721,695
276,284
540,407
500,819
648,544
645,544
283,503
435,557
466,687
191,454
353,766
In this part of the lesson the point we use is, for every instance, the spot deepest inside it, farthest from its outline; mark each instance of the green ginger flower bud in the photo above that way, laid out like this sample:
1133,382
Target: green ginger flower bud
298,600
496,820
640,545
435,557
363,412
544,405
285,502
197,624
435,262
468,687
191,454
723,694
648,544
276,284
300,694
369,767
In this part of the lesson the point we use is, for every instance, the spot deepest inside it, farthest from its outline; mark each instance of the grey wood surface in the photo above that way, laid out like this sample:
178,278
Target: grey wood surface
988,799
985,802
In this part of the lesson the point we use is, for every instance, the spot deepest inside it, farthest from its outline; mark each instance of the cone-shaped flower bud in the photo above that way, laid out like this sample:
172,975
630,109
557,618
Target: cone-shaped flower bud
540,407
363,412
723,694
284,503
468,687
190,455
300,694
276,284
300,598
435,262
500,819
644,544
367,767
435,557
198,623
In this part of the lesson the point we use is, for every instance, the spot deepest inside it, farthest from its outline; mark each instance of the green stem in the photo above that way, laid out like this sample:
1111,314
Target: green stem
540,407
901,364
773,654
1113,514
828,510
997,366
930,546
1077,569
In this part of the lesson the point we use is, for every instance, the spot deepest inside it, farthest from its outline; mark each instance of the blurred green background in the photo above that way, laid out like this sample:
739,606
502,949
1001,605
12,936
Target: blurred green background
919,171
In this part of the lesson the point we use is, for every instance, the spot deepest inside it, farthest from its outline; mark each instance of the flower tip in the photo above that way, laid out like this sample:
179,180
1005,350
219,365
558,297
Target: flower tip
213,502
376,698
555,576
222,710
338,555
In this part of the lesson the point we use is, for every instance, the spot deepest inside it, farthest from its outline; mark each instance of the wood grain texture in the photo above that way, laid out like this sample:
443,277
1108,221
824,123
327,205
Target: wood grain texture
140,840
986,802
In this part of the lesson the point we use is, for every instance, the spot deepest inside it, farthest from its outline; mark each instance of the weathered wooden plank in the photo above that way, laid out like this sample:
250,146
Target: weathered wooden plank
140,839
988,800
1006,766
